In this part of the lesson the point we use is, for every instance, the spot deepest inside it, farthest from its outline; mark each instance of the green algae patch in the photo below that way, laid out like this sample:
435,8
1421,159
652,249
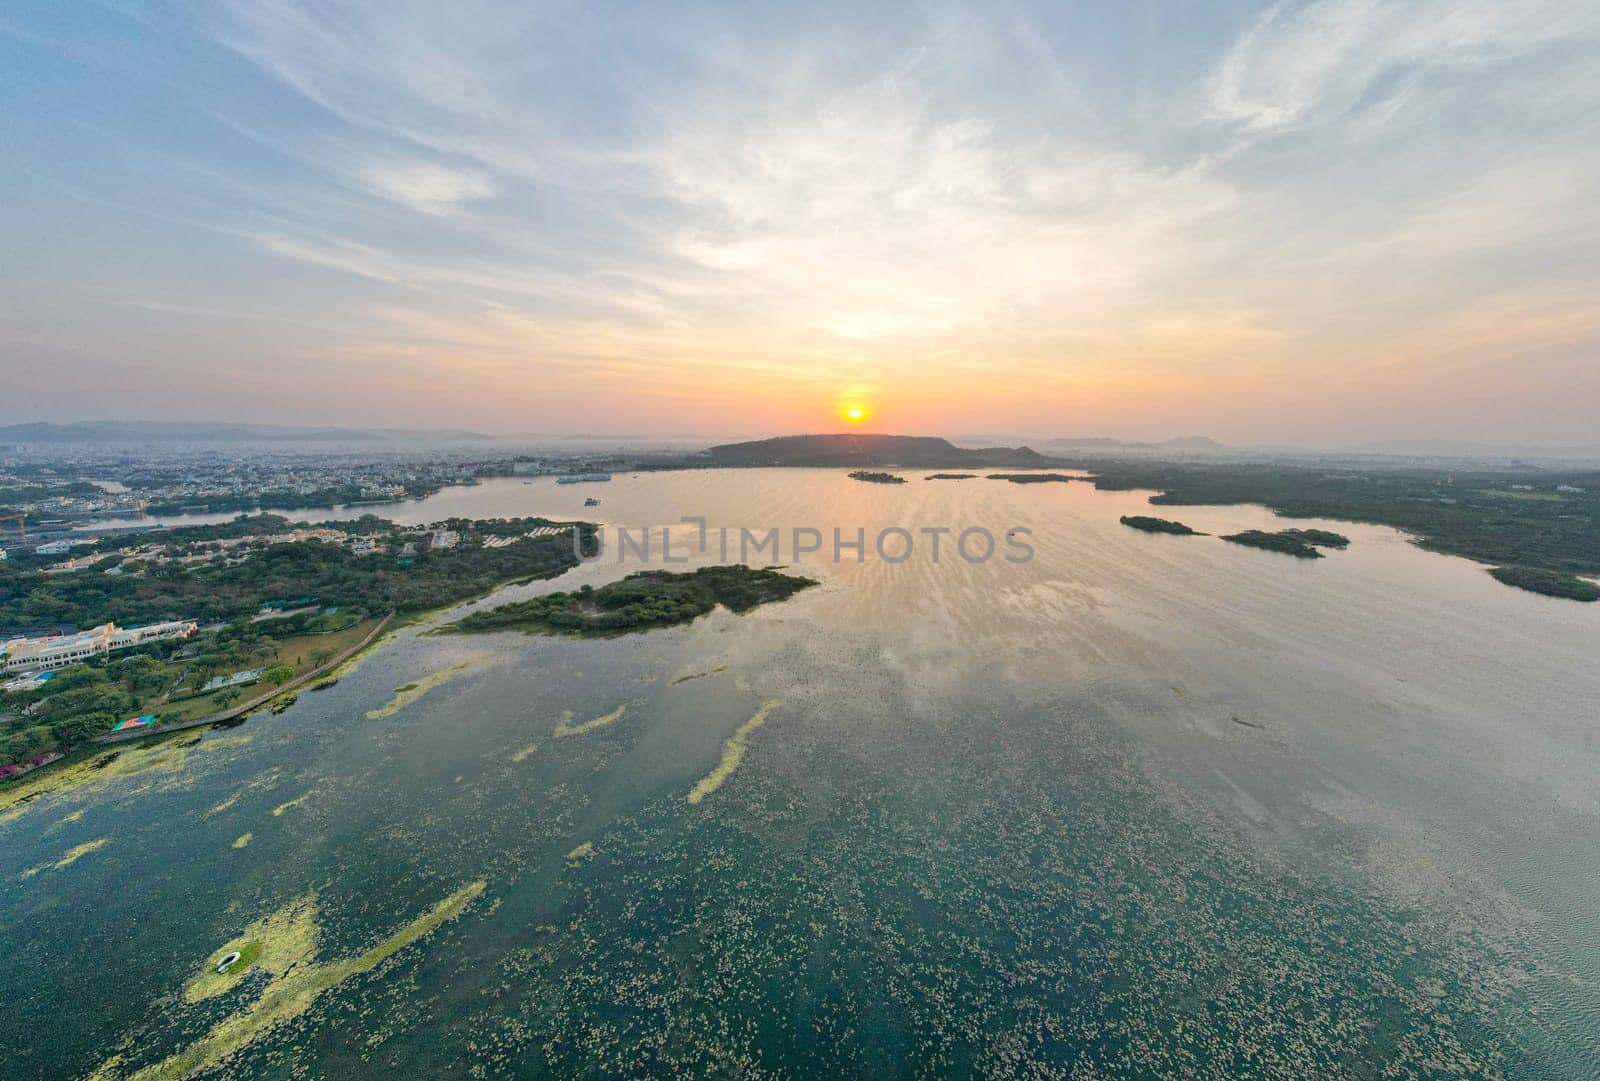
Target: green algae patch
71,856
297,801
265,779
733,749
698,675
99,770
410,692
275,944
525,753
288,941
565,727
77,852
582,852
244,840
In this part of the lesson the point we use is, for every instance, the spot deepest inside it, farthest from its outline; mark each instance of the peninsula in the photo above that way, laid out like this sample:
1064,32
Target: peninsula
1549,583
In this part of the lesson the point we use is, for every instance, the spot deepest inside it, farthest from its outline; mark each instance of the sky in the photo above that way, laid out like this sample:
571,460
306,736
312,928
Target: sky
1316,223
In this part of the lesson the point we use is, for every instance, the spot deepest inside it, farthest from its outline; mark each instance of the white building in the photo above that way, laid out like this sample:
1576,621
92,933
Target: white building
59,547
58,651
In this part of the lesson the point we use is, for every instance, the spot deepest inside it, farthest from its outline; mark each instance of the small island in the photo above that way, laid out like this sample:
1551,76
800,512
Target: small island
876,478
951,476
1547,582
1035,478
1300,543
1158,525
639,601
1322,538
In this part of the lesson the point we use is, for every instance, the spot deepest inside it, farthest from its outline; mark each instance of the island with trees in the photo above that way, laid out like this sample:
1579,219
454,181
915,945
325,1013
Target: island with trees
1158,525
1301,543
876,478
1035,478
951,476
1524,518
640,601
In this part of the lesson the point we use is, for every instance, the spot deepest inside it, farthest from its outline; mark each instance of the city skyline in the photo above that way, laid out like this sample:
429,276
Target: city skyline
1315,224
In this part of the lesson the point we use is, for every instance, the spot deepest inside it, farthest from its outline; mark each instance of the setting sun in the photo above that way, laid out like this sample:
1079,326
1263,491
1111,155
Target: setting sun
854,413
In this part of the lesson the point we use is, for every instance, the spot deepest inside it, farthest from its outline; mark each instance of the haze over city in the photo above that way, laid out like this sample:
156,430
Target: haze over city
1318,223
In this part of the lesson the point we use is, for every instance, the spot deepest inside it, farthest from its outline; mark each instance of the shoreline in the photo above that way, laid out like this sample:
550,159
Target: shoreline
236,712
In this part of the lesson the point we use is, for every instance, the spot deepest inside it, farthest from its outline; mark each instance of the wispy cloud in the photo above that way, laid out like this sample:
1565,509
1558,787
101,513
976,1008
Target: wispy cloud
1316,61
431,189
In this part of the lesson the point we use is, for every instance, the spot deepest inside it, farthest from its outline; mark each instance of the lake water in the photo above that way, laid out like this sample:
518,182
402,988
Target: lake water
1139,807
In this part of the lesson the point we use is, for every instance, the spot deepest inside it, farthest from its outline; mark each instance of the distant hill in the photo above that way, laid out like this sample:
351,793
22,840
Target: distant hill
1198,443
852,449
149,431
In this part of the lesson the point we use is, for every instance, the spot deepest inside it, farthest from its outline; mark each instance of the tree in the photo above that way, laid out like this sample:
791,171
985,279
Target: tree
278,674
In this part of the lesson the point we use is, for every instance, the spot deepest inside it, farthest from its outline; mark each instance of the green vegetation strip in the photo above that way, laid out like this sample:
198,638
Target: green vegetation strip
733,749
565,727
286,945
410,692
639,601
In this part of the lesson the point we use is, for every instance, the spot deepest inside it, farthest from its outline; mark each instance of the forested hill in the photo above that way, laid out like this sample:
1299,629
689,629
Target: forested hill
852,449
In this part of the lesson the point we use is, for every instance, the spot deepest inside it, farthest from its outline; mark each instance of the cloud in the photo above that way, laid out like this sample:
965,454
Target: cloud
429,189
928,200
1298,65
869,212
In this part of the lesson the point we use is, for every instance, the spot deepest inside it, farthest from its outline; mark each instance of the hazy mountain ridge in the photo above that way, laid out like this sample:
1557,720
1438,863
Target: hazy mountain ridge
151,431
1186,442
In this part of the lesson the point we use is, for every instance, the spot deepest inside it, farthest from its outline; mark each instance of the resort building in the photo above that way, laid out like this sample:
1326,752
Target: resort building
58,651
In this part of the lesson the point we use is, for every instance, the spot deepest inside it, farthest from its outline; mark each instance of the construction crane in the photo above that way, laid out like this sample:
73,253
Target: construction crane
22,524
